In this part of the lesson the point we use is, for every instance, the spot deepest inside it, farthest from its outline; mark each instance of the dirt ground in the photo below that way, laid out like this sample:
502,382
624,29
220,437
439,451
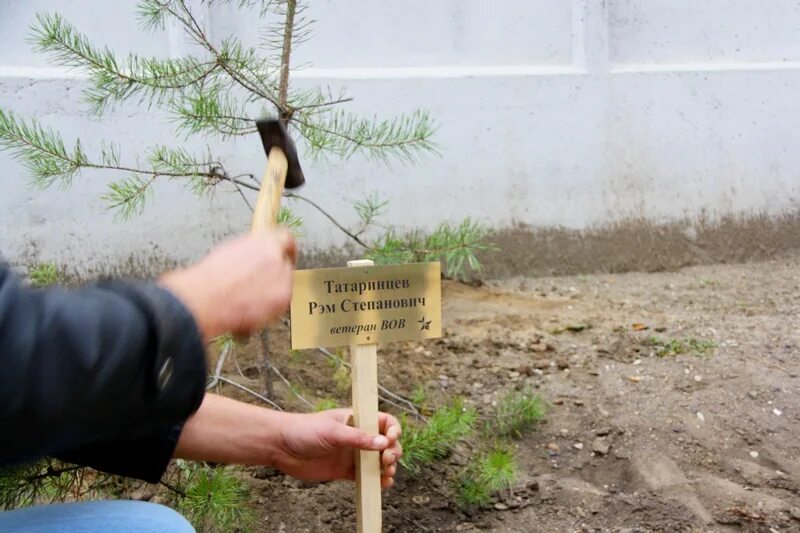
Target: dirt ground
632,441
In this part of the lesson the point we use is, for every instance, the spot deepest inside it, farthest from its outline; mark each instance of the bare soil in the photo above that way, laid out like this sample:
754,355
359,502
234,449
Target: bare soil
632,441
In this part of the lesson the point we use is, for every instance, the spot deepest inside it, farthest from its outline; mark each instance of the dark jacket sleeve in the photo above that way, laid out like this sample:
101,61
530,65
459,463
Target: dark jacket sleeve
141,456
84,371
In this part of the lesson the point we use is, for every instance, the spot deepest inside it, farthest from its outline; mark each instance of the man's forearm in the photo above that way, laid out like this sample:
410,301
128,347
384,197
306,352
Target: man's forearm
311,446
227,431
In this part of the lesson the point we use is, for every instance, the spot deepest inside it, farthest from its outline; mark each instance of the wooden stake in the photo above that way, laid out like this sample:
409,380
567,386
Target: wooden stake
364,375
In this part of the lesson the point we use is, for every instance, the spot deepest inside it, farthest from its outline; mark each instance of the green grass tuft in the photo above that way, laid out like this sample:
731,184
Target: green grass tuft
43,274
689,345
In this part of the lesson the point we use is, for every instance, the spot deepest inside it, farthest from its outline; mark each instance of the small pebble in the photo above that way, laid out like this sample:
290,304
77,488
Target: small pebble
777,412
701,417
600,446
754,454
698,378
552,446
578,445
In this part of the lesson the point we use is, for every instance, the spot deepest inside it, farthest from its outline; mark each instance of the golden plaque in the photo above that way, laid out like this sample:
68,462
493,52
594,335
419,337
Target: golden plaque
366,305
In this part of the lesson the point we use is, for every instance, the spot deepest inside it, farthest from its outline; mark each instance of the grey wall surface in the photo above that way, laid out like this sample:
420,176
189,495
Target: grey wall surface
568,113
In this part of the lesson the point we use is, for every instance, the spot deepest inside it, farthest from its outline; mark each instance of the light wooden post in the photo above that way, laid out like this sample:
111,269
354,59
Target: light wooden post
364,375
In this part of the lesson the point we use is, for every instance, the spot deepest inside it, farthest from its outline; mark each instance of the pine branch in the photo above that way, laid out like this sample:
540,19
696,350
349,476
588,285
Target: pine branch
342,134
172,488
251,392
47,480
152,14
203,173
45,155
369,209
455,245
231,56
227,343
327,215
287,219
273,37
113,80
128,195
311,102
242,195
292,388
211,110
51,472
321,104
40,150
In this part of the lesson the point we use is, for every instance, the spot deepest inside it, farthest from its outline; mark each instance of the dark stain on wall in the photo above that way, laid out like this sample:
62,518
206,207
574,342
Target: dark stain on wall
640,245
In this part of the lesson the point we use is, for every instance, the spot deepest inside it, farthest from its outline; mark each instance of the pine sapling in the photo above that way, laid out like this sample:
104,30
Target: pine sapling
423,444
516,412
215,500
491,471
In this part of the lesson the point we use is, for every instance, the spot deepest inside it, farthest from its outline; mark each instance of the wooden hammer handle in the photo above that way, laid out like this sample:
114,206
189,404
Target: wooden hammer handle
265,215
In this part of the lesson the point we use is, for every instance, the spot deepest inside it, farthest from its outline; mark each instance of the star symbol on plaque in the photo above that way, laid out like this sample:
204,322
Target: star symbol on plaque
424,324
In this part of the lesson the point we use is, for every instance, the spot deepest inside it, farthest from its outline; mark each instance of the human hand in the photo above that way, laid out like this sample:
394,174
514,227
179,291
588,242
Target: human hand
240,286
321,446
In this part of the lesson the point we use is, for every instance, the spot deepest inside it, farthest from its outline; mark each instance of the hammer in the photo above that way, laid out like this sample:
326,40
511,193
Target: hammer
283,171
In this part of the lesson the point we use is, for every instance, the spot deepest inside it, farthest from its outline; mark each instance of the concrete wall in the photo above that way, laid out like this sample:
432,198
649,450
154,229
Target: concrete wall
569,113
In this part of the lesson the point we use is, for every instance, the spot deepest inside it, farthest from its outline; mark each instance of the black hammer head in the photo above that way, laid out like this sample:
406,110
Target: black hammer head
273,133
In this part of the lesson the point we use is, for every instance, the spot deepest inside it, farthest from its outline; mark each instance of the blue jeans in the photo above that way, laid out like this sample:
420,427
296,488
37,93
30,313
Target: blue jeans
118,516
